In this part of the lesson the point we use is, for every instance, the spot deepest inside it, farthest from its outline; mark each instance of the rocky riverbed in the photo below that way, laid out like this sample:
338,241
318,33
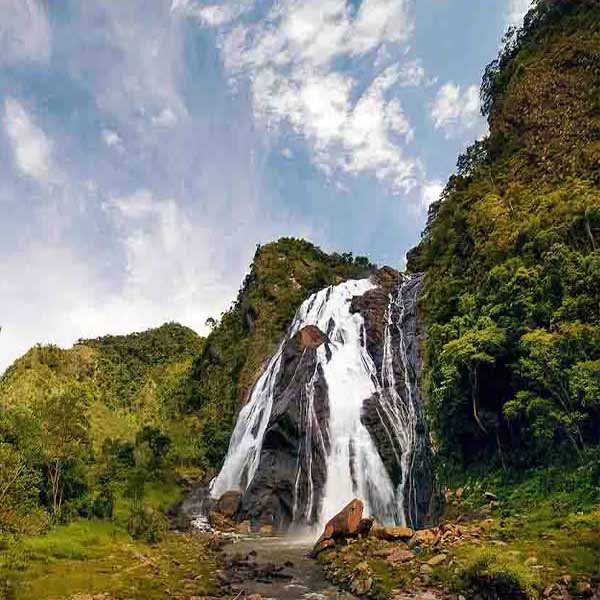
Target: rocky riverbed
274,567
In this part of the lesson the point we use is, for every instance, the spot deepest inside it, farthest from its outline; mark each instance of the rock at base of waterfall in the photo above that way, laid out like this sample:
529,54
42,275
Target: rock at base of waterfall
311,337
392,533
344,524
320,546
400,555
221,522
266,529
243,528
365,526
423,537
229,503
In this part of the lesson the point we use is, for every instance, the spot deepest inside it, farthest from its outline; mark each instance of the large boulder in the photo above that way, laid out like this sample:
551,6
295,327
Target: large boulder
229,503
345,524
220,522
311,337
392,534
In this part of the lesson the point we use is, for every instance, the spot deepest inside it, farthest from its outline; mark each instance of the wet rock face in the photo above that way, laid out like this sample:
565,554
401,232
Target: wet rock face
289,483
377,310
311,337
293,439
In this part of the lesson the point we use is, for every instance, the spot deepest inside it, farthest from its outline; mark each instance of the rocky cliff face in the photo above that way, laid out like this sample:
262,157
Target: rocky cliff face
337,413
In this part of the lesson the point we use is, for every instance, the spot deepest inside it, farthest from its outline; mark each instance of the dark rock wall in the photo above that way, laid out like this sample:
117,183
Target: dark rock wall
295,443
289,483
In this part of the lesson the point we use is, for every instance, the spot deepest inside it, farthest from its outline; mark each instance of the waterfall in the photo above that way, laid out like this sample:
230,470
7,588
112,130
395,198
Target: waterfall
354,464
400,411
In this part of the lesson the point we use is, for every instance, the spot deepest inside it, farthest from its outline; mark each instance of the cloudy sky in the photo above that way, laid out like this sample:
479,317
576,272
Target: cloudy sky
146,147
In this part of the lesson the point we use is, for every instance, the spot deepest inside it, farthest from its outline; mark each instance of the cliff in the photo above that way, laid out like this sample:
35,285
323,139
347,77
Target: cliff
282,275
511,255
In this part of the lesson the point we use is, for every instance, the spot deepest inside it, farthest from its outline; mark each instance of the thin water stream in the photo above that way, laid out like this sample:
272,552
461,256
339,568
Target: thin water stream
301,577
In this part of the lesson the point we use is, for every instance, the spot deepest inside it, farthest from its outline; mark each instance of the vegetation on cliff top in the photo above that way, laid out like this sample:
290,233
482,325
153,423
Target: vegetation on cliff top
512,255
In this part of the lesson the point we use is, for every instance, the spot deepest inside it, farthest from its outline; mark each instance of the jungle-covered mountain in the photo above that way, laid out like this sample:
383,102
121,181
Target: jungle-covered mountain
511,253
282,275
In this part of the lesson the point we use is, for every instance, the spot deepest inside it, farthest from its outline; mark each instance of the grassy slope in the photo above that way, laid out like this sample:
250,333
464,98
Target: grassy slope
95,557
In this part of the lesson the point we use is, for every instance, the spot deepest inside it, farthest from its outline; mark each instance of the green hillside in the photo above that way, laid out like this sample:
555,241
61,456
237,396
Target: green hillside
70,419
512,255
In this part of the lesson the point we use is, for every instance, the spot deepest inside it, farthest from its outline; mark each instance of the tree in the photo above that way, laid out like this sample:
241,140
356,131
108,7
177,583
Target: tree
472,350
63,438
562,385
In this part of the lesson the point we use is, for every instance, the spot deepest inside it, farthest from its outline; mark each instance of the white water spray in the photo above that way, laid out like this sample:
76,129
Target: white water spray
354,465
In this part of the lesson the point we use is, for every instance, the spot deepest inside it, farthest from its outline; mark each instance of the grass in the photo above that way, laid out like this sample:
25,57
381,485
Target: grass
93,557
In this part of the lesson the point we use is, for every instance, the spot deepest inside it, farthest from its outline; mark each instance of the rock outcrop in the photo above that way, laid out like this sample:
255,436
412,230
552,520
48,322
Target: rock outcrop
287,436
346,523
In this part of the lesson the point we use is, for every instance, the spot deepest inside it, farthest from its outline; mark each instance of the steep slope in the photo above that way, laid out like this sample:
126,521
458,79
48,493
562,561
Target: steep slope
282,275
511,252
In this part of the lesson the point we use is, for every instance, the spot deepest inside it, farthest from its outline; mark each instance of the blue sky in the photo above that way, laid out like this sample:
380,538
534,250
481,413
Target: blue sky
146,147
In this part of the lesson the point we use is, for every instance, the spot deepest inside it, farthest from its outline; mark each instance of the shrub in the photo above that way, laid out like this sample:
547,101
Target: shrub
147,524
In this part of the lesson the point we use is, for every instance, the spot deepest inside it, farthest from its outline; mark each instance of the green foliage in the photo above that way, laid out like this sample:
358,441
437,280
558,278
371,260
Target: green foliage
124,362
282,275
497,576
99,558
147,524
75,424
510,299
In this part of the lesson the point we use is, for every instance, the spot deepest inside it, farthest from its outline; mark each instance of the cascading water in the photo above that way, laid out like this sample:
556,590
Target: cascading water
342,376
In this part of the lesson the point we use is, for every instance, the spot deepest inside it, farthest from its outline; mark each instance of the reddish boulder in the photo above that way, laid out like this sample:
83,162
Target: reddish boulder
345,524
311,337
392,533
229,503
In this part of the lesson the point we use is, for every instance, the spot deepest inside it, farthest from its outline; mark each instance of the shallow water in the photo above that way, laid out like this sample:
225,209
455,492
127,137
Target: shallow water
307,580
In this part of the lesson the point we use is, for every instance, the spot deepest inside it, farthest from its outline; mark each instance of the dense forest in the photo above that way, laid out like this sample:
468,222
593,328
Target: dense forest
512,256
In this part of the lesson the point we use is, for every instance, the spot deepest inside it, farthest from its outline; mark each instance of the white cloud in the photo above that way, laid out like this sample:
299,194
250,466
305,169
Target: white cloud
431,192
212,15
24,31
32,149
352,126
174,270
111,138
457,111
516,10
165,118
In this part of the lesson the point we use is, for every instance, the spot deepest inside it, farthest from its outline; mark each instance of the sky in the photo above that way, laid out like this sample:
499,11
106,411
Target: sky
148,146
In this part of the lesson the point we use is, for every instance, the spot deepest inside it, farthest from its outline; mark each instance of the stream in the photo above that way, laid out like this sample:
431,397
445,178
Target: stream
294,575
